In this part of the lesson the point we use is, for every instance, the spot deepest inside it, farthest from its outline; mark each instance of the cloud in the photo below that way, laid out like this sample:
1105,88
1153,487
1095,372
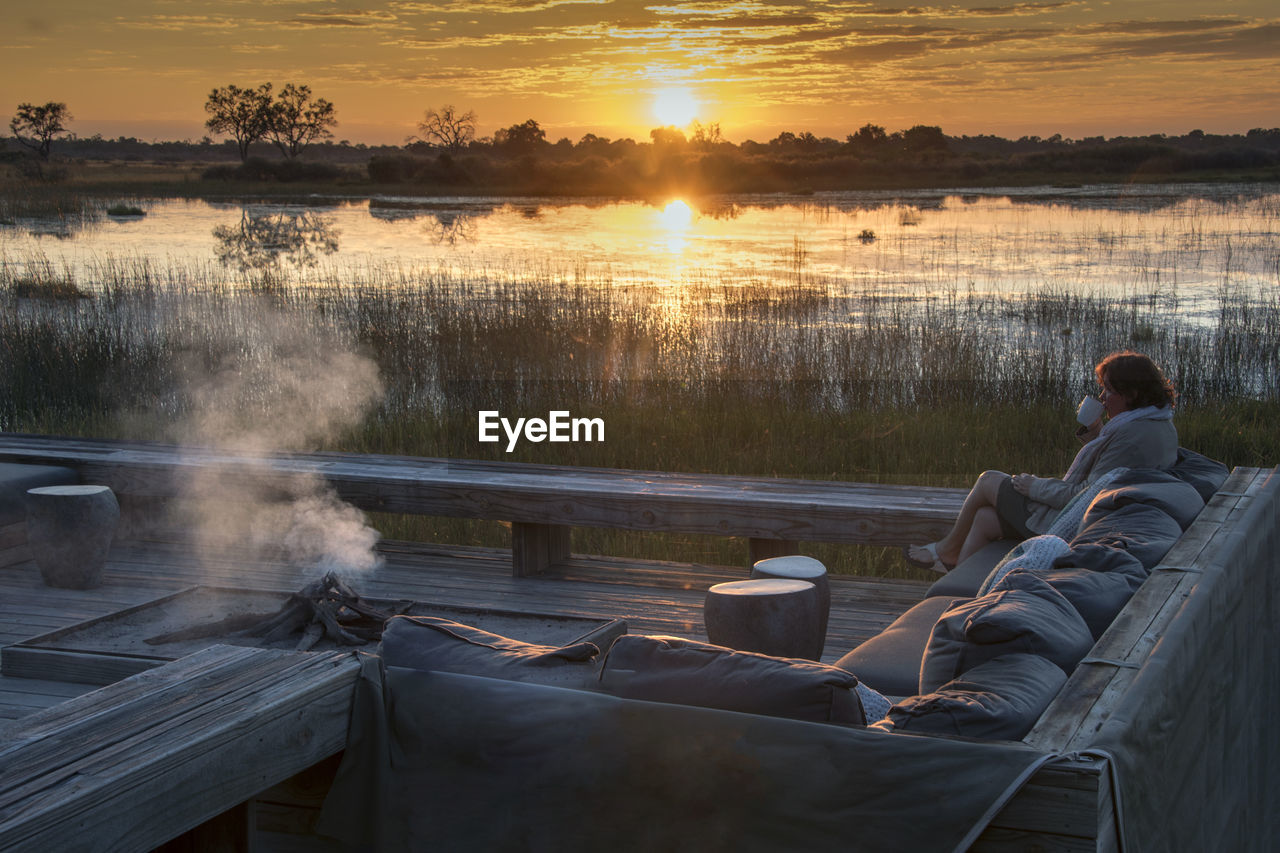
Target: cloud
368,18
1249,42
977,12
181,23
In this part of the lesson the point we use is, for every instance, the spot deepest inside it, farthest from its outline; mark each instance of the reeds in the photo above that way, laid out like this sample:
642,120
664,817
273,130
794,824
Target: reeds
809,378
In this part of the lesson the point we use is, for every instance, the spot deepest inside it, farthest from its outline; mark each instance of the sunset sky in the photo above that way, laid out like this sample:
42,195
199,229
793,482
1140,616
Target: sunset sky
1080,67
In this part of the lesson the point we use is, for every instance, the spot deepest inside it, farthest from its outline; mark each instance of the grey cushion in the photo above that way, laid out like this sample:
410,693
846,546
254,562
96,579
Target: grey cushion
966,577
890,661
1096,596
1001,698
685,672
16,478
441,645
1035,619
1205,474
1144,531
1102,558
1176,498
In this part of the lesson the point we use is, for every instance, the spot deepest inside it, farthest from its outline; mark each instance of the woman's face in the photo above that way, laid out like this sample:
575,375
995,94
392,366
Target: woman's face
1111,401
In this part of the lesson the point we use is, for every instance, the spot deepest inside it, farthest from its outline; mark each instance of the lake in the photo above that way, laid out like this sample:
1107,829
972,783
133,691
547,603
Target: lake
1187,245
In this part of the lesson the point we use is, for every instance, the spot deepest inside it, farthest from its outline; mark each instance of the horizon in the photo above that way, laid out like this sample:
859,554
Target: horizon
220,140
620,68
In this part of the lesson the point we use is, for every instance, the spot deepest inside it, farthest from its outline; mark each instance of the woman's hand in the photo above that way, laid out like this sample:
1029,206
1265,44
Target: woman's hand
1089,433
1022,483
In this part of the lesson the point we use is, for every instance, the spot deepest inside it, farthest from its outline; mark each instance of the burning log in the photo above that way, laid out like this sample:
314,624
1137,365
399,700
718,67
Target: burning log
326,608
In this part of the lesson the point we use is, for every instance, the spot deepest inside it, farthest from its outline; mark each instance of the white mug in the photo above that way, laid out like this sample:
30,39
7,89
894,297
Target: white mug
1090,410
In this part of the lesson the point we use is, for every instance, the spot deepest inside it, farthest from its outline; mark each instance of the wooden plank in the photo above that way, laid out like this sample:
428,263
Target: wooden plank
751,507
1067,805
73,667
138,763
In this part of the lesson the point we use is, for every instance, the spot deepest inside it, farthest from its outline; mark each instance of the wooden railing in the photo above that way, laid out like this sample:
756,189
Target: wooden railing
542,502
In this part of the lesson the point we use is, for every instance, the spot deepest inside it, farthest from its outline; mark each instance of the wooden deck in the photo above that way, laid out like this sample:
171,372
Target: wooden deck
1067,806
652,597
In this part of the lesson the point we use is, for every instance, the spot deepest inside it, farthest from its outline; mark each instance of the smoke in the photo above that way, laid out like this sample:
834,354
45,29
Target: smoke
267,384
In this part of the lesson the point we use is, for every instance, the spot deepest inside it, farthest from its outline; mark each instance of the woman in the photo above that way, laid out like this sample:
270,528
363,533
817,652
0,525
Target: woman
1139,433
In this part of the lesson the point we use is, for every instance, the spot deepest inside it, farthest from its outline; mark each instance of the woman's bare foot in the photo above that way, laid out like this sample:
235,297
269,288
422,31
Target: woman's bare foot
927,557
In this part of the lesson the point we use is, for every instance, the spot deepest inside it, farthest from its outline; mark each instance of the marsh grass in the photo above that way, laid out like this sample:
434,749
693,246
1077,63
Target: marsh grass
806,379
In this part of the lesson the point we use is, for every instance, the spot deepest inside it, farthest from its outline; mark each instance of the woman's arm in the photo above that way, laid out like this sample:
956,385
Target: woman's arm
1052,491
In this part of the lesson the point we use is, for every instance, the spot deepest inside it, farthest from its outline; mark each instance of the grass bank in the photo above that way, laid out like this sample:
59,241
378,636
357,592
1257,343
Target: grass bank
807,379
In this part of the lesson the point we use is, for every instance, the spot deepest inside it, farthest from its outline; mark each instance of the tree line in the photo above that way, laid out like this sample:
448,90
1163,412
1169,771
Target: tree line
447,152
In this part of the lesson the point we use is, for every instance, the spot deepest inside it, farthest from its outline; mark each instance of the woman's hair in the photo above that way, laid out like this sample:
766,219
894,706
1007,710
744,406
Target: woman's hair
1136,378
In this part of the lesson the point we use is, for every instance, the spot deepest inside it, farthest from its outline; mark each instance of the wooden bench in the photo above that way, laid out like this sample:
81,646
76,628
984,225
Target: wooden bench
15,480
140,762
542,502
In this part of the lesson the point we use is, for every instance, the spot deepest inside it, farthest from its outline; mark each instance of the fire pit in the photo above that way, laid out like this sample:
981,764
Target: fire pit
327,608
325,615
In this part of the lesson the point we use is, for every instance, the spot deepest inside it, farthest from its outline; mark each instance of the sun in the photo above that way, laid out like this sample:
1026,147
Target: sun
674,107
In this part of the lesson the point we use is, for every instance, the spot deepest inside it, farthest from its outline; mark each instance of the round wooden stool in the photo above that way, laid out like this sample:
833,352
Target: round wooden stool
773,616
69,532
802,569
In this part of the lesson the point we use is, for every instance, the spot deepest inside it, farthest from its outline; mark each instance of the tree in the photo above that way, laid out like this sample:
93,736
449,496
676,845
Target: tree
667,137
869,136
447,129
706,136
244,114
296,119
923,138
520,138
36,127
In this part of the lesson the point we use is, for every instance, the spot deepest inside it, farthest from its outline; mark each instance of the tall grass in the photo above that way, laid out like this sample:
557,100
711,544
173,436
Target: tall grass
808,378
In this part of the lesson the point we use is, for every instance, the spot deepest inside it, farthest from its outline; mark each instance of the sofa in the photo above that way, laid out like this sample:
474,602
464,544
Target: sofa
460,737
1047,599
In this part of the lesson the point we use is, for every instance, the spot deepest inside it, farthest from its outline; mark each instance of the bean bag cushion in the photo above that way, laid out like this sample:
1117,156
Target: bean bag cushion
1034,619
1144,531
1102,558
684,672
1176,498
441,645
1035,553
1001,698
1096,596
1205,474
890,661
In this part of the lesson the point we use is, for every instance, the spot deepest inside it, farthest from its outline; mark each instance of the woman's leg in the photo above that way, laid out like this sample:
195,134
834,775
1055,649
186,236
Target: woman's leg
952,547
986,528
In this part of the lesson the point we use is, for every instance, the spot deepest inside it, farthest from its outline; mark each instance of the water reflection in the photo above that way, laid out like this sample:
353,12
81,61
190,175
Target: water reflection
1122,242
447,224
261,241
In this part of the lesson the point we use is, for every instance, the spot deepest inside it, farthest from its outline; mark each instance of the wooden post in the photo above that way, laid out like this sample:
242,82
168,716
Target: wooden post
534,547
764,549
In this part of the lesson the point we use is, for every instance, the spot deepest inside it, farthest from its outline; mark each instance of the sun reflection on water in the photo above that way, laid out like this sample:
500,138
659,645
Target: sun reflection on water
674,221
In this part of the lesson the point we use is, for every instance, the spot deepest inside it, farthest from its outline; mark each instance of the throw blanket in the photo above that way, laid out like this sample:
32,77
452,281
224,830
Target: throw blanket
1086,455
